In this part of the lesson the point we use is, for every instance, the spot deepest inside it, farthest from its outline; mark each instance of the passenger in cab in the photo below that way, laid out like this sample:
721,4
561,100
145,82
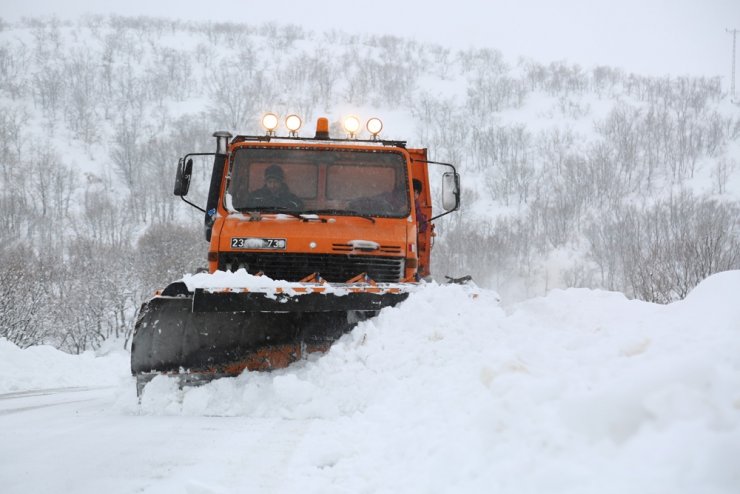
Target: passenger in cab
421,218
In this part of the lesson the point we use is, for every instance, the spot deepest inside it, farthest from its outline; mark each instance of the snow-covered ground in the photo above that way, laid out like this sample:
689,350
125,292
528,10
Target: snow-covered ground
580,391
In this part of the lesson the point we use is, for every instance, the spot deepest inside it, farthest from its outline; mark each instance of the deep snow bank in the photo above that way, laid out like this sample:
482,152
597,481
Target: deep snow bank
576,391
43,367
579,391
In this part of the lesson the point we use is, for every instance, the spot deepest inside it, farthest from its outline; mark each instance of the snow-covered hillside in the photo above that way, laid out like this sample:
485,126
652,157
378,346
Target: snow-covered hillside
572,176
580,391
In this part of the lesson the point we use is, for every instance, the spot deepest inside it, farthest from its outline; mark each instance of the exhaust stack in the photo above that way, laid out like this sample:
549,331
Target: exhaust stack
222,141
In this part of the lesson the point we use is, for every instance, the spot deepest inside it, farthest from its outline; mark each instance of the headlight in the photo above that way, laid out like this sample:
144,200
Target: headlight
374,126
351,125
270,122
293,123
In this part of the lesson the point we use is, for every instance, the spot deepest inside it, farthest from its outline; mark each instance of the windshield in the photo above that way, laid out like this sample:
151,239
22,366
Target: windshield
351,182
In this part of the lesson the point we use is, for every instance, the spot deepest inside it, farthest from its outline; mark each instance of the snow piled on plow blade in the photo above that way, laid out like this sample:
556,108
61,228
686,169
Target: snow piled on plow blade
241,281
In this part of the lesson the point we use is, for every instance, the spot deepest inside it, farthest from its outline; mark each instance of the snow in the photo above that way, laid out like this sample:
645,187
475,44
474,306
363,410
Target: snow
228,279
44,366
578,391
241,280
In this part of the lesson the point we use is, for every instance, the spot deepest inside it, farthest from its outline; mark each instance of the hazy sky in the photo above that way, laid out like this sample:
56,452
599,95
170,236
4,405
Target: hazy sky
645,36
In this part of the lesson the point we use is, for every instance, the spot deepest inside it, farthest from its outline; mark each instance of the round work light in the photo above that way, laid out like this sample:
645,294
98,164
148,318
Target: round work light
351,125
270,122
374,126
293,123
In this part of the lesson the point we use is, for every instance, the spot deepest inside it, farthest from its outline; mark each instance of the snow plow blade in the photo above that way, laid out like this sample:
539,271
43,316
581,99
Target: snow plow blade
210,333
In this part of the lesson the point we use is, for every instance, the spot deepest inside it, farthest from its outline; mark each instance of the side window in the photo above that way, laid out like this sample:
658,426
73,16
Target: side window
239,183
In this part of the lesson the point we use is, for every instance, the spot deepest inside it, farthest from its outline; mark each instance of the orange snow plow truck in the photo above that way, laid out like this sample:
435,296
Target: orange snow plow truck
308,236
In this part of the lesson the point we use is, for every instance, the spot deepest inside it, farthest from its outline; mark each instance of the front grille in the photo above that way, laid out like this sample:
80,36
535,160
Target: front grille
387,249
333,268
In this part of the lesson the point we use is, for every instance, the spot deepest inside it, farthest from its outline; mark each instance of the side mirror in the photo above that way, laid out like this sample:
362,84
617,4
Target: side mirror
182,177
450,191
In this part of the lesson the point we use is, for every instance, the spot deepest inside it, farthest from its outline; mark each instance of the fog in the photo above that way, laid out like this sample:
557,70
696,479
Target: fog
650,37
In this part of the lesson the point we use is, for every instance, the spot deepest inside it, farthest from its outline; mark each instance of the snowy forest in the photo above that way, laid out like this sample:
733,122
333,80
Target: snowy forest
572,176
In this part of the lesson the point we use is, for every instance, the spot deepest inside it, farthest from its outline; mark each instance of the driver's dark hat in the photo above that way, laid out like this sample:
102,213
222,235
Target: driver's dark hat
274,171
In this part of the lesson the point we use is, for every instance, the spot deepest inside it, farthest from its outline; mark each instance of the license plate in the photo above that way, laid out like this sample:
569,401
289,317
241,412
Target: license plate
258,243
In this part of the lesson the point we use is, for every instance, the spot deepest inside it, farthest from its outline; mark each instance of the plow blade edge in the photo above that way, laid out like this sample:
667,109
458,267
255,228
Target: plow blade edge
205,334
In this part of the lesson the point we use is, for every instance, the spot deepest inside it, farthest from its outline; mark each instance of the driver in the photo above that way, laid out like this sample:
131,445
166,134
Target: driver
275,192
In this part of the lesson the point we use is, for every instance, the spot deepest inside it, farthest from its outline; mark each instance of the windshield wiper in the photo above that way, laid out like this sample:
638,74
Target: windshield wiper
269,210
345,212
301,215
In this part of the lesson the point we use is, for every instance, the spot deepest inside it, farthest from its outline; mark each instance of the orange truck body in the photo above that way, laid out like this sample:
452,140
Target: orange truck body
397,237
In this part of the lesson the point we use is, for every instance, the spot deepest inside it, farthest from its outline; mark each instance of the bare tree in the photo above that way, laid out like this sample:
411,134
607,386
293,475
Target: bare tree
666,249
80,109
721,174
166,251
20,297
